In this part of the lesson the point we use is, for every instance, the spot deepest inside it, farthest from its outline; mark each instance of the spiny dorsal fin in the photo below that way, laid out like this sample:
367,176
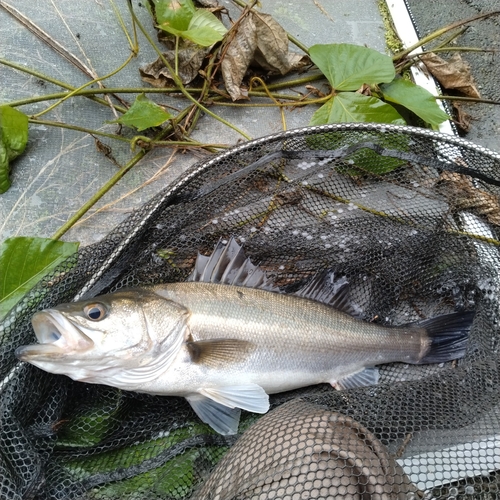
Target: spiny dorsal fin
229,265
218,353
327,289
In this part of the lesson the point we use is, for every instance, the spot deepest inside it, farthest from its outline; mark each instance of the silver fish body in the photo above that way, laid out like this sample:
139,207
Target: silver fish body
283,342
226,345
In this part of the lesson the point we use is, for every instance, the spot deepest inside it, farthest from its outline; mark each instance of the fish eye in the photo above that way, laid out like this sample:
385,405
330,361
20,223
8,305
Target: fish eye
95,312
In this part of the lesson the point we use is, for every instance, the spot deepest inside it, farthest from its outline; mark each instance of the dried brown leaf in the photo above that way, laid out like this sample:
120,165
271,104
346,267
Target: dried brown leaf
463,195
463,119
454,74
272,42
298,61
190,60
239,53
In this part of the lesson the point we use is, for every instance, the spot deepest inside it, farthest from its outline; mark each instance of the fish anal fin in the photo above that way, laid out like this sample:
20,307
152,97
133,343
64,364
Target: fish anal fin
250,397
363,378
221,418
328,289
218,353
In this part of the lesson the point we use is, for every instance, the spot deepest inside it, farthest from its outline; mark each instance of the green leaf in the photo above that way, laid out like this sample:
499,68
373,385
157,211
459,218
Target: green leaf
416,99
13,140
143,114
204,29
174,14
347,66
25,261
348,107
365,160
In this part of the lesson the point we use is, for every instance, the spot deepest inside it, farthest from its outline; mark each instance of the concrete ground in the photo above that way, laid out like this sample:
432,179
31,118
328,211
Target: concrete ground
430,15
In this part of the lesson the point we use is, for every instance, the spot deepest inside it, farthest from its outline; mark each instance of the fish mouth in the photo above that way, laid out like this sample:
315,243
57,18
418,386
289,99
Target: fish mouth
57,337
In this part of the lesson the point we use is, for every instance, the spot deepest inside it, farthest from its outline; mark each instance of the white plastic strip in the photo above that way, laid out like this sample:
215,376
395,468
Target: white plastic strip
406,32
453,464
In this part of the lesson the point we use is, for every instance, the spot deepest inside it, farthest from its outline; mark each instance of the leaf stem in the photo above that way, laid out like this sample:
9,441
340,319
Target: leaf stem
404,53
176,55
91,82
64,85
97,196
49,123
467,99
180,85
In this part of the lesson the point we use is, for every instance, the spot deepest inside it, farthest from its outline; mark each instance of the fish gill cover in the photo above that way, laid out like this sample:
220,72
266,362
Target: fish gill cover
409,217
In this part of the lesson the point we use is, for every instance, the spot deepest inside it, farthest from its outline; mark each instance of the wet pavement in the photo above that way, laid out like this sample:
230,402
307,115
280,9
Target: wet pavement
430,16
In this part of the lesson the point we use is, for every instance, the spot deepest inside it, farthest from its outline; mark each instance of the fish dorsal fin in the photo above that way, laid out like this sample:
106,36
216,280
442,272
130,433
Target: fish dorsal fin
221,418
219,353
229,265
324,287
363,378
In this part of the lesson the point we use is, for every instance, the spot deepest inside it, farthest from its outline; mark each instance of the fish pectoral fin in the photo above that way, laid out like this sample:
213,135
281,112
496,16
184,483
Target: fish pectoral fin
249,397
221,418
363,378
218,353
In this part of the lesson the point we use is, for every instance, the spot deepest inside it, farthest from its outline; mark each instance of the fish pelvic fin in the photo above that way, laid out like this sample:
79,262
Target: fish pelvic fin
229,265
363,378
250,397
447,336
331,290
218,353
219,407
221,418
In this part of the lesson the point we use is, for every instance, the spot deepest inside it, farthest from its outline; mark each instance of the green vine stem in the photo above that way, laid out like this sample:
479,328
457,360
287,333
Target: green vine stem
64,85
97,196
49,123
466,99
91,82
139,90
436,34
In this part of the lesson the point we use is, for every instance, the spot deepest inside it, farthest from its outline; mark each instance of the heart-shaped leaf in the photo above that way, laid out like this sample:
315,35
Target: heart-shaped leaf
13,140
23,262
416,99
204,29
348,107
174,14
143,114
348,66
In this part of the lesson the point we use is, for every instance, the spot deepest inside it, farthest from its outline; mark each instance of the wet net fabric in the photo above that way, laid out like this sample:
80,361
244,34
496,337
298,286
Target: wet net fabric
409,216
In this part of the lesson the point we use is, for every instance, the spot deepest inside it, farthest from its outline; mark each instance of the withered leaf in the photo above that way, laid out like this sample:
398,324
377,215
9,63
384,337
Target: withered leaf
463,119
239,53
272,42
454,74
463,195
190,60
259,41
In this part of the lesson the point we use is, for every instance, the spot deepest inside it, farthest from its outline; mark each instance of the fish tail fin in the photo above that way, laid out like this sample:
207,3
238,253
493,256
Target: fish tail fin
448,336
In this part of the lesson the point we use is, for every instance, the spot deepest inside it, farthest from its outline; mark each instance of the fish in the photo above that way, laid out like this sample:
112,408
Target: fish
227,338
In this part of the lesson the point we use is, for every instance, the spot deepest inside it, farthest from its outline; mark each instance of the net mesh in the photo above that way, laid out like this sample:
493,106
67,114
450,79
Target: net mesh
409,216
